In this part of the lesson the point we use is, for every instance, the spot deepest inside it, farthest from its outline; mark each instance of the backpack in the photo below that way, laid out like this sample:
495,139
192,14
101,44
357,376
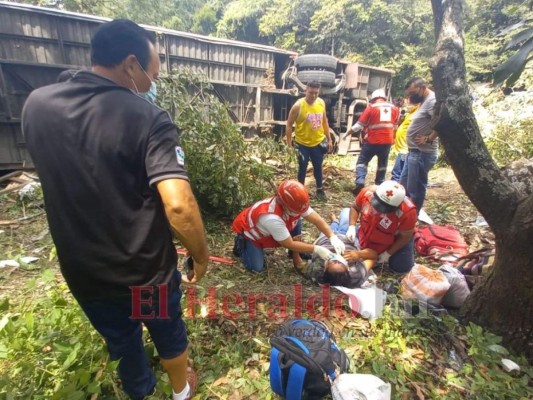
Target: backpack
442,243
304,359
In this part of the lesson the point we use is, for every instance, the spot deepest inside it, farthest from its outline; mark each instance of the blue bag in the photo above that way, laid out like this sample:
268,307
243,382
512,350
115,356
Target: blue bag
304,360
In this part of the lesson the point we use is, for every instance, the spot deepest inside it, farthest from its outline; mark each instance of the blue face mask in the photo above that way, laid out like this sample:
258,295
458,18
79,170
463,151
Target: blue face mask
151,94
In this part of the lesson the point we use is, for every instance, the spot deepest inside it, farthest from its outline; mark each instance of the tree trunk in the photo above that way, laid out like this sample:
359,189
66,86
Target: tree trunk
504,302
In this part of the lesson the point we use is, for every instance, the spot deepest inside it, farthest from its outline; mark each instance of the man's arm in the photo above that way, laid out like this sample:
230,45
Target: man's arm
319,222
426,139
297,246
325,126
401,240
360,124
354,214
360,255
323,227
293,114
184,216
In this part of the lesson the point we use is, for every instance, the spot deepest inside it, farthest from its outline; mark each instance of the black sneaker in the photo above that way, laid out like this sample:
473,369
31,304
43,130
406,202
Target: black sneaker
357,189
321,195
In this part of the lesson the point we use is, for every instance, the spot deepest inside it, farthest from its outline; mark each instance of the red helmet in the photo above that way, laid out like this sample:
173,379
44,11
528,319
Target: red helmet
293,196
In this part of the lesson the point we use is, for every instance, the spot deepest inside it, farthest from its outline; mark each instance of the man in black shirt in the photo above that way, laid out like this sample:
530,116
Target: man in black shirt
114,183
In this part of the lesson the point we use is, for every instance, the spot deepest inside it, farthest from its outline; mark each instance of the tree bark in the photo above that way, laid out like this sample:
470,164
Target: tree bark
504,302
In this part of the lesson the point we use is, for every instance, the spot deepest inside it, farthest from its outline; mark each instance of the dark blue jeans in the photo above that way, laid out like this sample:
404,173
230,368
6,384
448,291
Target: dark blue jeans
123,334
404,259
396,173
415,175
253,257
368,151
316,155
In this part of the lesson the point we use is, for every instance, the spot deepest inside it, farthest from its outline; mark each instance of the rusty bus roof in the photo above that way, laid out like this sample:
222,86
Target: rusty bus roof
194,36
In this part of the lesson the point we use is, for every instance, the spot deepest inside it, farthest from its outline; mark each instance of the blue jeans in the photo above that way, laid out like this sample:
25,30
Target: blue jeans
415,175
316,155
341,227
396,173
123,335
368,151
402,261
253,257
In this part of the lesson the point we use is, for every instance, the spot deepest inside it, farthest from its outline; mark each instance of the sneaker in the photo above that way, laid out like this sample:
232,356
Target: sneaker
357,189
321,195
192,378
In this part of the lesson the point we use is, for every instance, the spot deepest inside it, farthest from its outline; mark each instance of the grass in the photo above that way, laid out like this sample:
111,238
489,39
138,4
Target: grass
49,351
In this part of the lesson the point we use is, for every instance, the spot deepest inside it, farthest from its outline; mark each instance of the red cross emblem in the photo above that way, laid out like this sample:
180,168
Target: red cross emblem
389,193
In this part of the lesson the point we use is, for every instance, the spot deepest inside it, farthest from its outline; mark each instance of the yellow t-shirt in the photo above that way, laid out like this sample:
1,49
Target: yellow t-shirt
309,130
400,142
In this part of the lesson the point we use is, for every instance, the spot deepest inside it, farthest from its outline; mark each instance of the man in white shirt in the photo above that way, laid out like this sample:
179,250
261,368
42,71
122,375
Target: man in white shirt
276,222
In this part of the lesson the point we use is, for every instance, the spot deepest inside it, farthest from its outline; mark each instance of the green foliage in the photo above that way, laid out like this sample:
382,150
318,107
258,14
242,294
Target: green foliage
226,172
511,142
49,351
240,20
40,357
172,14
292,31
414,355
205,20
481,54
513,67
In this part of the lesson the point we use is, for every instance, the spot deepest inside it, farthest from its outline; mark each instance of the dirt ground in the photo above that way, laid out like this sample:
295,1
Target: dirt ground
24,232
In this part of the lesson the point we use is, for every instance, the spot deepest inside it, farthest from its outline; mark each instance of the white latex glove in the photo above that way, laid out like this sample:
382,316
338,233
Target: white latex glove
350,233
384,257
337,244
323,253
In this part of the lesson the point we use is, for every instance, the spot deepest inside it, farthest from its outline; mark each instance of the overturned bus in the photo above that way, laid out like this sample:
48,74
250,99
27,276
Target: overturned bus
258,83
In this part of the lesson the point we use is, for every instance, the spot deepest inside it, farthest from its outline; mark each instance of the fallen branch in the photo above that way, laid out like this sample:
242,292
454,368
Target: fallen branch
23,219
30,216
9,176
12,189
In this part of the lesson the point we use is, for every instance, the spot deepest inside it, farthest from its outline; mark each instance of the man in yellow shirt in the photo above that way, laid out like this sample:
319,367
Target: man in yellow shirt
400,140
311,136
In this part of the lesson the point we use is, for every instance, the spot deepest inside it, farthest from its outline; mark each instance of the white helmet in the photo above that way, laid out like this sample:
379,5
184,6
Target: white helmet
378,93
388,197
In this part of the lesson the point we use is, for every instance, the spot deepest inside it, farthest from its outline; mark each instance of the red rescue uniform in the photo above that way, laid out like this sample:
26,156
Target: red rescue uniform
377,231
379,121
246,222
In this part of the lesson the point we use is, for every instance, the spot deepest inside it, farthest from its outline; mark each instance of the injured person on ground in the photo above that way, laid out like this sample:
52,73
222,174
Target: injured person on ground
351,269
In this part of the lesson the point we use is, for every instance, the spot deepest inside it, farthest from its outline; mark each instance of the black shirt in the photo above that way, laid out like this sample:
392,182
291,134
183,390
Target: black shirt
98,149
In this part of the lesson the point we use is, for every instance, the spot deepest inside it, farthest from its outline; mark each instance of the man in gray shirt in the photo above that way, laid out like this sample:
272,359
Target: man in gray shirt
422,142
